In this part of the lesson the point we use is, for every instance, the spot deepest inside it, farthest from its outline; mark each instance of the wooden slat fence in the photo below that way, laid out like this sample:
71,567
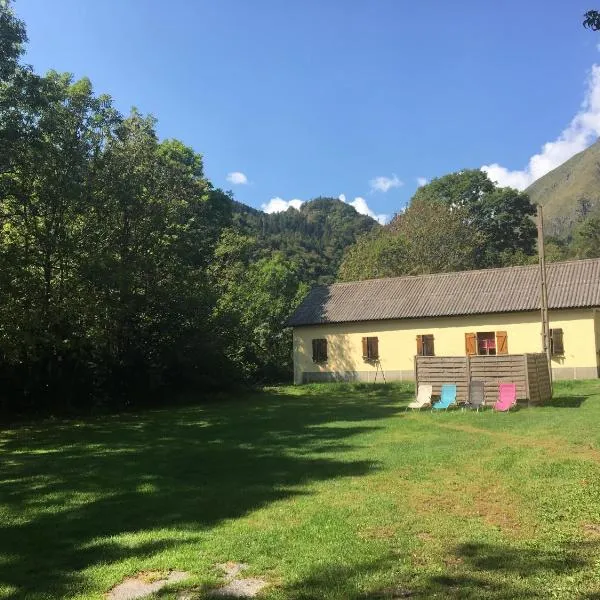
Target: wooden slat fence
528,371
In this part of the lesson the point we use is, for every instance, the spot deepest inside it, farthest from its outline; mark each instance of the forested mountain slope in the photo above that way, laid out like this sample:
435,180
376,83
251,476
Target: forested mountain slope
314,237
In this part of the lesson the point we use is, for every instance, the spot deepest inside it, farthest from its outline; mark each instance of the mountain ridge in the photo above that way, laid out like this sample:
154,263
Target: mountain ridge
570,192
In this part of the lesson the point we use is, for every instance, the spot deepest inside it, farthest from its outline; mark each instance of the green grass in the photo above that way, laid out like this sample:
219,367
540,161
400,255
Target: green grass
327,491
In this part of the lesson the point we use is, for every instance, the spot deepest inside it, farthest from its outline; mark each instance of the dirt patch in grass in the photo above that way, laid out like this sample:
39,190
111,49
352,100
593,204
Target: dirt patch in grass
144,584
471,494
237,587
591,529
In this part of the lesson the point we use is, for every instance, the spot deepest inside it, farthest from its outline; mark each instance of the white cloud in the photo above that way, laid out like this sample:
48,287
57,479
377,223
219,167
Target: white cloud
237,178
361,207
384,184
280,205
421,181
583,129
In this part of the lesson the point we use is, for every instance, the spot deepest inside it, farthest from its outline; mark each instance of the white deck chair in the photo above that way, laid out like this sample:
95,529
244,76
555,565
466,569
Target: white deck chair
423,398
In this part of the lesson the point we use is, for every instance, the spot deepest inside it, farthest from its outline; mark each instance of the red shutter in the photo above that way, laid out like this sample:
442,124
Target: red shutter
501,342
471,343
420,345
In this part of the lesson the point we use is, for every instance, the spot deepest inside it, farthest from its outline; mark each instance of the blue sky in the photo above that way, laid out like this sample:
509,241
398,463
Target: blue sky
330,97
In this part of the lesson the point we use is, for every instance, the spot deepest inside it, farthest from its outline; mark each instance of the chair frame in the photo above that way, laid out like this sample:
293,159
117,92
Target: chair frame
445,386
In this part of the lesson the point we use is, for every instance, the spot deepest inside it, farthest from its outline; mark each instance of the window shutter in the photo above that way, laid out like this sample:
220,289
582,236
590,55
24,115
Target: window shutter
315,349
365,348
471,343
374,354
420,345
324,350
556,336
501,342
430,347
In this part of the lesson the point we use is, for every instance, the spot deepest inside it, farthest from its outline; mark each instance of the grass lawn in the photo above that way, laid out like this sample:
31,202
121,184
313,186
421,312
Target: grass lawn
327,491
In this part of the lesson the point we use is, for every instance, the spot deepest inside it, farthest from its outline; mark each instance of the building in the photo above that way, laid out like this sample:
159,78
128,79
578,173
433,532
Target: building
350,331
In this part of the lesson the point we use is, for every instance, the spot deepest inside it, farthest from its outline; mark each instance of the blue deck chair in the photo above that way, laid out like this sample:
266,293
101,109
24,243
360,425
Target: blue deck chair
447,397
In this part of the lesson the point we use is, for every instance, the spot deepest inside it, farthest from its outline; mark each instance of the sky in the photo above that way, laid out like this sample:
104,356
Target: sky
364,100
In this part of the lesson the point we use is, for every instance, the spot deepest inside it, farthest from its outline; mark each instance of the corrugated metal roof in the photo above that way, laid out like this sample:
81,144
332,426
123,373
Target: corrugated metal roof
570,285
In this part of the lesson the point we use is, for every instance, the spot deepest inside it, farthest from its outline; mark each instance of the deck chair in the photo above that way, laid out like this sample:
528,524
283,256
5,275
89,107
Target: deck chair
447,397
423,398
507,397
476,395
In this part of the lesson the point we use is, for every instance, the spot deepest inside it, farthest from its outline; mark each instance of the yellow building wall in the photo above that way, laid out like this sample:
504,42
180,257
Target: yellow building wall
397,343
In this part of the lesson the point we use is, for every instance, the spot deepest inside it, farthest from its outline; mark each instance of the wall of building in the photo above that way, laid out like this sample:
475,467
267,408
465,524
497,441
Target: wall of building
397,343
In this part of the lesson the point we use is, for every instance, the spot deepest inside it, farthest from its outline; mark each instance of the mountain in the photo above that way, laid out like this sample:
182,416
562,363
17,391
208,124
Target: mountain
315,236
570,192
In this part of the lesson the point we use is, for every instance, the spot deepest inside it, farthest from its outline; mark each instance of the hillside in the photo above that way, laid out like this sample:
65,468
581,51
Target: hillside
315,237
569,192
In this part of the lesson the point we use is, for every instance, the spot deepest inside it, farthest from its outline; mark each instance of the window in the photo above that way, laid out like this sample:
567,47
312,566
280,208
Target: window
425,345
556,342
486,343
370,348
319,349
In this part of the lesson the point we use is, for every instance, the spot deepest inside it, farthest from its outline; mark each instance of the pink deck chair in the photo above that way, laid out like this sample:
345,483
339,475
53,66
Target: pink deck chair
507,397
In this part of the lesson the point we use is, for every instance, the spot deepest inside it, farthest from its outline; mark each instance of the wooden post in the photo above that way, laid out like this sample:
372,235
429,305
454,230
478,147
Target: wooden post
416,376
544,292
527,390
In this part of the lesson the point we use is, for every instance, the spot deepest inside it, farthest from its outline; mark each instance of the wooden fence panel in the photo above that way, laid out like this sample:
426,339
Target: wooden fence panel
528,371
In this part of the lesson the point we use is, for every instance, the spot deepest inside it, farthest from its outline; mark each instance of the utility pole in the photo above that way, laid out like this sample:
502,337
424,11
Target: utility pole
544,291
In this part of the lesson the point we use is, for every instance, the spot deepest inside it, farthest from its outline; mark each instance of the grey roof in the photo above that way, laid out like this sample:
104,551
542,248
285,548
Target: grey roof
571,284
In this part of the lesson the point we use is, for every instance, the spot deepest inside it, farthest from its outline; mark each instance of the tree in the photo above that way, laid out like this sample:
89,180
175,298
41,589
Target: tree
586,242
502,216
254,300
12,40
591,20
440,237
45,188
382,253
429,237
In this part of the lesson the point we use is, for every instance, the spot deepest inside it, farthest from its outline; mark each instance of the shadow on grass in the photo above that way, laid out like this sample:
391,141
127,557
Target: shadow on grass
566,402
70,486
478,570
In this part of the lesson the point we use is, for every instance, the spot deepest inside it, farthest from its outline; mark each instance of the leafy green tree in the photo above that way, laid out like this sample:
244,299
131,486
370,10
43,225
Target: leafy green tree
502,216
44,193
429,237
255,298
586,242
12,40
383,253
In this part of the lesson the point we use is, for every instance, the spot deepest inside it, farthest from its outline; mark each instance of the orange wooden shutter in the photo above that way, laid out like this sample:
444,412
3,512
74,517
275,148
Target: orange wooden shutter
471,343
420,345
365,347
501,342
